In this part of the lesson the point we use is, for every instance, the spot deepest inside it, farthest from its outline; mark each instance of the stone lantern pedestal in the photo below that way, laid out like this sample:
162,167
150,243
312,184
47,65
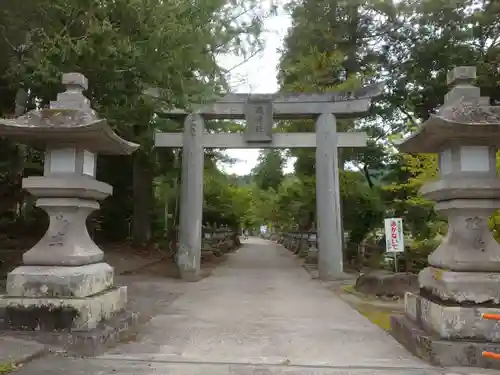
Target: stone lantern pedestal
312,253
64,284
443,323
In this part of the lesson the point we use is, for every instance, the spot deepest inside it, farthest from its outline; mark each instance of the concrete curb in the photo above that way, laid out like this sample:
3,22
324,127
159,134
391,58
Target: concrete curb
131,270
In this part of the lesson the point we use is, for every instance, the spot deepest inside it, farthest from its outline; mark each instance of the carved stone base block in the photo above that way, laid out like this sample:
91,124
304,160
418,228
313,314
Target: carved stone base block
447,335
59,282
469,245
440,352
60,314
452,322
461,287
84,343
67,241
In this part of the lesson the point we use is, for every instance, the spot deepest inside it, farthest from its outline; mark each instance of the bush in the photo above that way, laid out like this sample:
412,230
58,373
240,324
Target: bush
416,255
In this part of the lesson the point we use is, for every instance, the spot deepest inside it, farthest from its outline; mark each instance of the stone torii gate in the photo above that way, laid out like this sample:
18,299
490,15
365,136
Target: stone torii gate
260,111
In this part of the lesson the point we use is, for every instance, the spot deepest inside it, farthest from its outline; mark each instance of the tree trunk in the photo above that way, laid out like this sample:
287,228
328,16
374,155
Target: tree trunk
143,197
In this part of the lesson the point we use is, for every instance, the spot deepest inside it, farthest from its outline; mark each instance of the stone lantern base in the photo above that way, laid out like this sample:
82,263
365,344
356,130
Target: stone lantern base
64,294
447,334
78,308
61,298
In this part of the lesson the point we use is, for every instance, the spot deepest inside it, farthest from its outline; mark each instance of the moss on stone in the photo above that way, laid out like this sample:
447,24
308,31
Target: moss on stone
6,367
376,310
378,316
349,289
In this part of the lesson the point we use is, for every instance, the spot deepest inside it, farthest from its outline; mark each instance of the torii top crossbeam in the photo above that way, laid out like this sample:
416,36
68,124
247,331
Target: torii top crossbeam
290,106
260,111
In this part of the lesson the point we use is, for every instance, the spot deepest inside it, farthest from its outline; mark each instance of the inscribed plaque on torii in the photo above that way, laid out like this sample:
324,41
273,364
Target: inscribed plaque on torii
259,119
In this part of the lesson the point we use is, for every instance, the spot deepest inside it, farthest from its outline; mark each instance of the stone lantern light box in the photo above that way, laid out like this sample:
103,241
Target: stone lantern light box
70,160
462,279
65,269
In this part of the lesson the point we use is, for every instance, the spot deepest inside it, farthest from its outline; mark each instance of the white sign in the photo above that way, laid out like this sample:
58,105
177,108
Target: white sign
394,240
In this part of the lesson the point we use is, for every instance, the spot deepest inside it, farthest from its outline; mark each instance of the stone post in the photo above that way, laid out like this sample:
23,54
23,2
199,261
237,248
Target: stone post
330,266
64,283
312,253
191,215
443,322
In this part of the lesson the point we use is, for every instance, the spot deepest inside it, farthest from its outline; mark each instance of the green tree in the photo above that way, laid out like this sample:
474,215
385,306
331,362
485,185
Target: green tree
427,39
268,173
125,48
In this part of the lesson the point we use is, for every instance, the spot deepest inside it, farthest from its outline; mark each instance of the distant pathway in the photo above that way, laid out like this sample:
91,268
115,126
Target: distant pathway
259,313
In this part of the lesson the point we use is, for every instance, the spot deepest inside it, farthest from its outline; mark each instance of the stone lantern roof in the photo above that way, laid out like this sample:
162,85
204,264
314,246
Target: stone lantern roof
69,121
466,118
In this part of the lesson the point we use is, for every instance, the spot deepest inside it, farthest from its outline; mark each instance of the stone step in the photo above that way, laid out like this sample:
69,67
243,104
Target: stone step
14,350
61,365
85,343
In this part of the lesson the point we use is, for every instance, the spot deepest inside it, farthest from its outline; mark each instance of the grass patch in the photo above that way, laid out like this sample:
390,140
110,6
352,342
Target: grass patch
376,310
377,316
349,289
6,367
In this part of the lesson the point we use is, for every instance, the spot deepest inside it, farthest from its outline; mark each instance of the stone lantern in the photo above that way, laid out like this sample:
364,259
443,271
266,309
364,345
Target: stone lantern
443,322
64,284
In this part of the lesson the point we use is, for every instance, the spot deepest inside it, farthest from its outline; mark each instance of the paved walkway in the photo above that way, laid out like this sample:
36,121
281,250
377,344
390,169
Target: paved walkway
259,313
